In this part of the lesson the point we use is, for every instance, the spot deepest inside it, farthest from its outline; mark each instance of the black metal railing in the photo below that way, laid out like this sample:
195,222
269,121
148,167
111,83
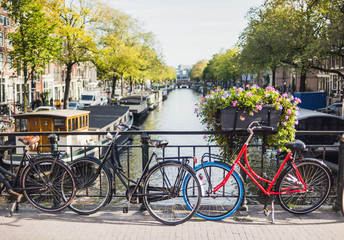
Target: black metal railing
136,154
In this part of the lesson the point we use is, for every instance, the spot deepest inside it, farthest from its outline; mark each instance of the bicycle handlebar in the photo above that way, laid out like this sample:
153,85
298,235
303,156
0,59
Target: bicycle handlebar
120,124
258,126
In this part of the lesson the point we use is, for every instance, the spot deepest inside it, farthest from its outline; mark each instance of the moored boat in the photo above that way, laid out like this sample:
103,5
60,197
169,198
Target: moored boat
98,118
138,105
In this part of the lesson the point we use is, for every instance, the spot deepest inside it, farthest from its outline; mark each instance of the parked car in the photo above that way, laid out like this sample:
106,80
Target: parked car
335,108
75,105
44,108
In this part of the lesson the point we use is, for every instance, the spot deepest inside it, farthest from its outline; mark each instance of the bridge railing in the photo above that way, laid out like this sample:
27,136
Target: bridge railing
135,155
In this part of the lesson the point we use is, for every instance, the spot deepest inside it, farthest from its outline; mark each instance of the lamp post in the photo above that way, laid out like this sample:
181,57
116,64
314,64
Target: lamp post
13,77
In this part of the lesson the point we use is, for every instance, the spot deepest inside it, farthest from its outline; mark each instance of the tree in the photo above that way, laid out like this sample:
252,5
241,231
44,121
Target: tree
330,42
197,70
75,19
33,40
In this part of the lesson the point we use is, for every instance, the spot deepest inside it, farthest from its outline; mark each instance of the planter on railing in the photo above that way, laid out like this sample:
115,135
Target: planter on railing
230,118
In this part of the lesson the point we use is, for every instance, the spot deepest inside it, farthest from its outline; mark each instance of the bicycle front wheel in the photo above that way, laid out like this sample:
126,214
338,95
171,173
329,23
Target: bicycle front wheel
48,184
94,186
226,200
163,192
317,178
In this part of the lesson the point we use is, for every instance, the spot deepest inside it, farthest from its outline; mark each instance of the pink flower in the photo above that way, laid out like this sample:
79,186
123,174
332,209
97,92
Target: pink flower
258,107
234,103
289,111
204,136
242,118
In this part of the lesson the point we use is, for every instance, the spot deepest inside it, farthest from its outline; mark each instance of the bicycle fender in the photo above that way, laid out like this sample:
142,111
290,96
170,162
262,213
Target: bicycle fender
307,160
320,162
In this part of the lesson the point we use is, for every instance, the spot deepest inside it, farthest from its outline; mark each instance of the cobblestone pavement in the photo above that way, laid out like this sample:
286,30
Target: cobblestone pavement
111,223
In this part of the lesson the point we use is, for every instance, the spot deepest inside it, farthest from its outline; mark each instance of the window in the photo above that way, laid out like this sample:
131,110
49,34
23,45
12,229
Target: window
21,124
9,62
59,122
1,61
6,21
2,43
1,19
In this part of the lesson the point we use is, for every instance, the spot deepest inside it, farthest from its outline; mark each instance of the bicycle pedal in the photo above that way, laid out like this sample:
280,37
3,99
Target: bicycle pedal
125,209
266,212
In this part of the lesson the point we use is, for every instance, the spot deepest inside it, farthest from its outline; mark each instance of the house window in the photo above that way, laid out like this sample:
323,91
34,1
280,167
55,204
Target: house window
1,61
2,39
6,21
9,62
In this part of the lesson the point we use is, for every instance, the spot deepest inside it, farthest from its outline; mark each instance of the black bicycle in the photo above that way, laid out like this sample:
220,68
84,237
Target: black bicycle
47,182
160,187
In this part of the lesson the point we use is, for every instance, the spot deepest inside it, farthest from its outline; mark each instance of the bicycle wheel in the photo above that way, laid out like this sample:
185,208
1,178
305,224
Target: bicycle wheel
48,184
163,192
225,201
317,178
94,186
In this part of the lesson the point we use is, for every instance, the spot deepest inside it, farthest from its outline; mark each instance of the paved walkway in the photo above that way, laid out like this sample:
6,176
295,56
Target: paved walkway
111,223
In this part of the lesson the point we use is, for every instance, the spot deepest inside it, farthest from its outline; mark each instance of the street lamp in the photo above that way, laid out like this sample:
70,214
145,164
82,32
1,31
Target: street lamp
13,77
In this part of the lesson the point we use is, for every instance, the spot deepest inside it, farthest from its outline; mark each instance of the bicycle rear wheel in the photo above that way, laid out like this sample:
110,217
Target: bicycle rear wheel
317,178
163,192
48,184
94,186
226,200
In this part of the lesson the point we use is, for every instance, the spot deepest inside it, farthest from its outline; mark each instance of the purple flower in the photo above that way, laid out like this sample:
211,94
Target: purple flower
284,124
286,117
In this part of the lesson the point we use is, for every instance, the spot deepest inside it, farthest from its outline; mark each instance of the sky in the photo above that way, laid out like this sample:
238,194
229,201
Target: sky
190,30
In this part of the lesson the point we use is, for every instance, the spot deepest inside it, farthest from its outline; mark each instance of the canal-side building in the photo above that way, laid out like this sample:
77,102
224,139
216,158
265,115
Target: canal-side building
50,84
317,81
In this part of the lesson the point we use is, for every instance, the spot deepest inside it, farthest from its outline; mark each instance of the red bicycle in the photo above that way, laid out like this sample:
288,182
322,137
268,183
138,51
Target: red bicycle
300,185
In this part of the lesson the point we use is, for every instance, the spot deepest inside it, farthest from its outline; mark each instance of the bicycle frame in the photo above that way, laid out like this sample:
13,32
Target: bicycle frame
25,157
113,161
249,171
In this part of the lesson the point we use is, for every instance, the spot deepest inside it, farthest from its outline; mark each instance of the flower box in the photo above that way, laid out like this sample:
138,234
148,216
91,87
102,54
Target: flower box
235,119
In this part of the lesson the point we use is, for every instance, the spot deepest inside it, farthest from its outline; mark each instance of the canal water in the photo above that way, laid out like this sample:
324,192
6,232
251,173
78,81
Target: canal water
177,113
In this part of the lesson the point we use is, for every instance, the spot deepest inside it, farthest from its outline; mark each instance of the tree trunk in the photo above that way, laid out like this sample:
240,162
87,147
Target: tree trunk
68,79
274,77
303,80
122,85
26,78
114,81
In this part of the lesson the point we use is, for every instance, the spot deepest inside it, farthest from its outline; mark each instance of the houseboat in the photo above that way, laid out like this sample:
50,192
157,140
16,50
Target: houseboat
138,105
92,119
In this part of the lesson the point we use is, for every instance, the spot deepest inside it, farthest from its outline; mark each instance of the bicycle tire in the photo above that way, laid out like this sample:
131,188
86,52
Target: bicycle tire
164,204
226,201
48,184
317,178
94,189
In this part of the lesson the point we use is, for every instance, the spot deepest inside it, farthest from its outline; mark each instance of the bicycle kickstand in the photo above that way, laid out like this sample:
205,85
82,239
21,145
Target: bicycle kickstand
16,203
273,209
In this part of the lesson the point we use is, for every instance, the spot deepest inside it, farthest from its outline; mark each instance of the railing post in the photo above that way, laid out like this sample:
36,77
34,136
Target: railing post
53,139
145,149
340,174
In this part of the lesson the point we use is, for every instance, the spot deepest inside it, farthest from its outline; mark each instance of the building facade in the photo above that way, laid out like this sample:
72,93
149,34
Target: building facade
50,84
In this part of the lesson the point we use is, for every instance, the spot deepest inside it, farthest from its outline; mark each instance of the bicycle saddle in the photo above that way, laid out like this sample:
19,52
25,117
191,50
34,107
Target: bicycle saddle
297,145
159,143
29,140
